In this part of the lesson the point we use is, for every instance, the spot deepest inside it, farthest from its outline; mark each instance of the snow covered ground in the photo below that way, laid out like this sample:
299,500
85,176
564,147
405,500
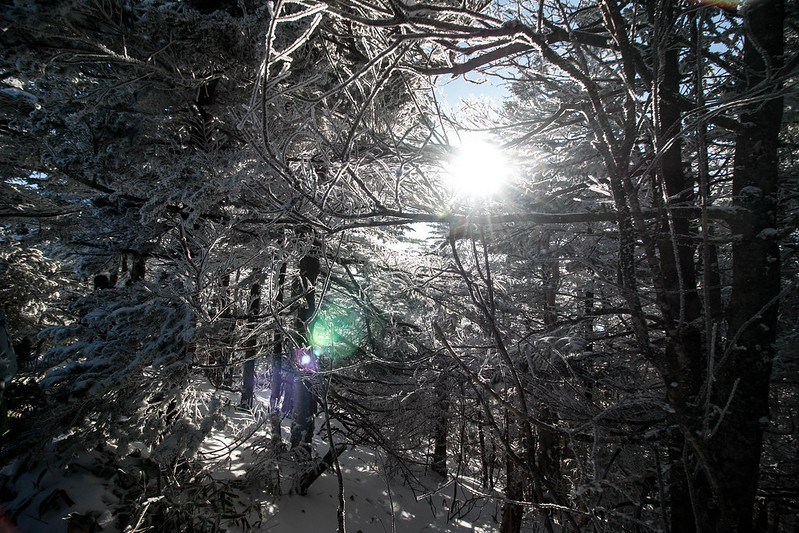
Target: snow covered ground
376,502
373,505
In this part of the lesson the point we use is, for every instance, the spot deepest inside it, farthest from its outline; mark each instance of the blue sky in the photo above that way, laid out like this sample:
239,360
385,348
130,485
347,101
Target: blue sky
457,89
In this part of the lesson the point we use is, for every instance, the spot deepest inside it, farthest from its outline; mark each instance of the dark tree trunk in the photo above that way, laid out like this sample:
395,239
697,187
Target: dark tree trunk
319,468
251,349
548,450
549,453
681,306
303,423
744,373
550,274
512,511
441,426
137,271
220,356
486,474
228,332
302,426
588,309
277,365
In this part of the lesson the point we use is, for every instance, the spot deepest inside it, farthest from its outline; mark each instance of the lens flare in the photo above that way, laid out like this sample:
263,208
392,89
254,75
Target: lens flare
727,5
338,331
322,334
306,360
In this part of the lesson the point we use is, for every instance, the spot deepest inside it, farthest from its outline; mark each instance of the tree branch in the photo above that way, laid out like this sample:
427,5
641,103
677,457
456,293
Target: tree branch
398,218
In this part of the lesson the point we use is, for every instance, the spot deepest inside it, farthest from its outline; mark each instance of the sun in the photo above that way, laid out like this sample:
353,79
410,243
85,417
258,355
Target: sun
477,167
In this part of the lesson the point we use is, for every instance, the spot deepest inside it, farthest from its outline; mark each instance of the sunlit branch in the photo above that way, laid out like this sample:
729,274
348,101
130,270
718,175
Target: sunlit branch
21,213
472,64
396,218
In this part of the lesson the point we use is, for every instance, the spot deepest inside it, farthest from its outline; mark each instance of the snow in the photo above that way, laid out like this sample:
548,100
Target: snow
376,502
373,504
50,495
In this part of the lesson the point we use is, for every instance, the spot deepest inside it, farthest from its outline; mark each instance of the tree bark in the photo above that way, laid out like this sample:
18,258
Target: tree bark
303,423
137,271
251,349
512,511
277,365
319,468
681,308
745,370
441,426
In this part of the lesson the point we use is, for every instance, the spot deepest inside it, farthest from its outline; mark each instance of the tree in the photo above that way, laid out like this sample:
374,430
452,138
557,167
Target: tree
598,342
251,351
743,381
595,71
302,427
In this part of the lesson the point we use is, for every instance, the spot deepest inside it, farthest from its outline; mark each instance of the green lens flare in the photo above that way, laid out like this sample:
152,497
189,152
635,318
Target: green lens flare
338,331
322,334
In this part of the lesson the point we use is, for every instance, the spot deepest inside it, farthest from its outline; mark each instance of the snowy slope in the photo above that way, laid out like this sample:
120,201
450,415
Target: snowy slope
375,502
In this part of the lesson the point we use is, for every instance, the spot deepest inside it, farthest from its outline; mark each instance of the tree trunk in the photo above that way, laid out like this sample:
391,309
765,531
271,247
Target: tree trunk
512,511
441,425
302,426
303,423
138,269
224,372
277,365
743,375
550,276
681,307
588,313
549,454
251,349
319,468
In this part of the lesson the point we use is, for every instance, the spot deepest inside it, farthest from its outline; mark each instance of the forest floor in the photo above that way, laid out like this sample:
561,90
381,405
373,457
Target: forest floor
52,499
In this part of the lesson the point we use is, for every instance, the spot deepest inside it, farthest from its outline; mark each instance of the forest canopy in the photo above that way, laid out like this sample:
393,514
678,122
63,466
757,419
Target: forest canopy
581,298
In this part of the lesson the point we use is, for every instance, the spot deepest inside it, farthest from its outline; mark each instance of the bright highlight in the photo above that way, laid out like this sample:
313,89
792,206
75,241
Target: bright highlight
477,168
322,334
338,331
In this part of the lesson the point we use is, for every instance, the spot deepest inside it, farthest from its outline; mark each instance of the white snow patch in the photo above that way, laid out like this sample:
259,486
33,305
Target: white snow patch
376,502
